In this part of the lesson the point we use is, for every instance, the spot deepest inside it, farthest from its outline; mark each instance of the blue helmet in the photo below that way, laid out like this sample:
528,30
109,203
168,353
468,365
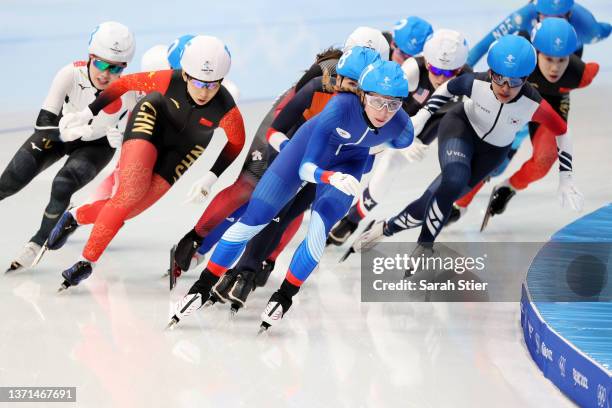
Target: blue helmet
553,7
512,56
175,50
354,60
411,33
555,37
385,78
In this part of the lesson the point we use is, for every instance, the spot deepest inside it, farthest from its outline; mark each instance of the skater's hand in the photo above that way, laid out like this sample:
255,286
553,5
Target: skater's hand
199,191
568,193
114,136
74,133
419,120
75,119
346,183
73,126
416,151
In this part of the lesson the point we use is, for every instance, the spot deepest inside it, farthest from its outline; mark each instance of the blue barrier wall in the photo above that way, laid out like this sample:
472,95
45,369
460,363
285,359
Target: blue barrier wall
568,332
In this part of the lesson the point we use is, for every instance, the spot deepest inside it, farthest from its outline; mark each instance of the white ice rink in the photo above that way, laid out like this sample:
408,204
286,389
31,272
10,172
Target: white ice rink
106,336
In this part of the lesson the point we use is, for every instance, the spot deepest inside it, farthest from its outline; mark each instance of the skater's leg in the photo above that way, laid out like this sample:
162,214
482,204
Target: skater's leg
456,171
286,238
465,201
159,187
265,241
137,160
225,203
271,194
212,237
238,286
82,166
106,188
35,155
329,206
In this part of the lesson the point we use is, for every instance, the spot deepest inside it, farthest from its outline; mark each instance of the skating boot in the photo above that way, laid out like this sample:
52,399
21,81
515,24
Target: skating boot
186,250
185,307
62,230
26,257
195,298
456,213
500,197
173,271
261,277
219,292
241,290
78,272
277,307
341,232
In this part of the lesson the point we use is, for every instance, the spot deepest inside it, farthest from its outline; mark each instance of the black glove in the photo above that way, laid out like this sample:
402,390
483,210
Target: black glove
186,248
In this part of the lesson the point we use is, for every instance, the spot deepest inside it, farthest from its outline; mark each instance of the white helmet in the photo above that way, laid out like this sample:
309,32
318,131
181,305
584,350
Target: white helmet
206,58
446,49
370,38
155,59
113,42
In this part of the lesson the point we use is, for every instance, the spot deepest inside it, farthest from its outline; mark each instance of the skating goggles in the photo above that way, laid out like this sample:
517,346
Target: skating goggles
203,84
103,66
449,73
512,82
380,102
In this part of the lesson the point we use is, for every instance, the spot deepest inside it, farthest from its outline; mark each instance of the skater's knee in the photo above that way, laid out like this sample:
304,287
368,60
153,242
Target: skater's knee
18,173
332,205
260,212
70,179
241,232
9,185
455,177
243,188
317,235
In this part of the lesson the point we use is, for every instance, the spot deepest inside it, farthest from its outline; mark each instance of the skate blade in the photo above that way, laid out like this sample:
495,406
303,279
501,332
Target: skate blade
173,322
485,221
233,312
65,285
263,328
15,266
488,214
352,250
170,271
348,253
40,254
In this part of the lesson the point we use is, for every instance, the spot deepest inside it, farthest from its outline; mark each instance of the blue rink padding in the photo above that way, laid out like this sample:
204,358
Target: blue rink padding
568,330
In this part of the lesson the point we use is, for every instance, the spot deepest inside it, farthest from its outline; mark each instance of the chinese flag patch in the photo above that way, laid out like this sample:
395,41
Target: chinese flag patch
205,122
